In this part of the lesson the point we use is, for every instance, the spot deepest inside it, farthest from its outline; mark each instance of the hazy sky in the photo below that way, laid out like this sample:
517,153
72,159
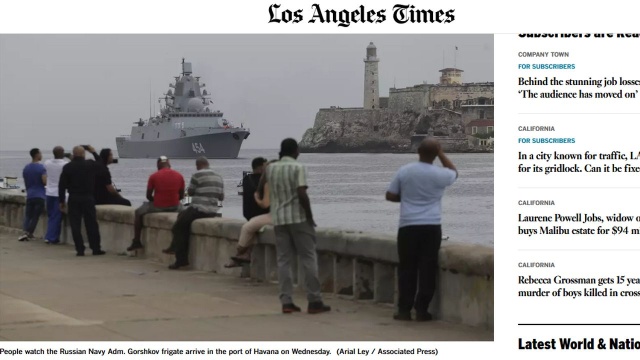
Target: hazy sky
78,89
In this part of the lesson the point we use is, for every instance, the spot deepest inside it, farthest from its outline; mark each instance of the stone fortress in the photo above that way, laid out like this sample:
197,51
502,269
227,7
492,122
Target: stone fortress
459,114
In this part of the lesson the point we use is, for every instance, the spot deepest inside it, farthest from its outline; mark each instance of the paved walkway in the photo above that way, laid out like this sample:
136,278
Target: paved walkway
47,293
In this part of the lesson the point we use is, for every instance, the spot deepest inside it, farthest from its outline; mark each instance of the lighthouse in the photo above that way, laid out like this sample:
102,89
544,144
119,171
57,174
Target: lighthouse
371,88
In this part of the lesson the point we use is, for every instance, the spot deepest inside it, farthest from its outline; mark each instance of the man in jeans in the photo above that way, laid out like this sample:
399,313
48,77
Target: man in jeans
294,227
35,179
54,169
205,188
165,189
419,188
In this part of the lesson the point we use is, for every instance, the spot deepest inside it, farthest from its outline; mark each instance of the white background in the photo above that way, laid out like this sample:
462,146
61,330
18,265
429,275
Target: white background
597,125
593,129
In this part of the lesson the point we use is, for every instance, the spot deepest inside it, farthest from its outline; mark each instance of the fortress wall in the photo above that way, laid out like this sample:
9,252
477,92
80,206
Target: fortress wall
413,98
329,115
419,97
460,92
358,265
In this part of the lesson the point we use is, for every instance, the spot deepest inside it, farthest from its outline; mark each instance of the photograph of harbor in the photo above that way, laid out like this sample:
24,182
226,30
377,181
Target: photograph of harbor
359,108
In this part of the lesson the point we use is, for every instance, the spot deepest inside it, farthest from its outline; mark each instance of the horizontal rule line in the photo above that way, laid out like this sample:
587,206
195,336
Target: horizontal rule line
578,113
578,249
577,187
578,324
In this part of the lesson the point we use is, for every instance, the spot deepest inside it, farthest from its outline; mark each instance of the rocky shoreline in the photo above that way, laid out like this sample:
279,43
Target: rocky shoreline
338,130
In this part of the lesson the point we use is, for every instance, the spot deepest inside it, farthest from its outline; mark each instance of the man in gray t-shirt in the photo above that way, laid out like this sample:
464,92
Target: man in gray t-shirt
419,188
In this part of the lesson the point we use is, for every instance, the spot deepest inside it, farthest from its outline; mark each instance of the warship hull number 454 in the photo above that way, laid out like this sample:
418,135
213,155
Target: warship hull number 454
185,128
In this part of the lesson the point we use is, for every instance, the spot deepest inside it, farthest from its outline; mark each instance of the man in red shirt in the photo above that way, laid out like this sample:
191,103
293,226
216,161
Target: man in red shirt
165,189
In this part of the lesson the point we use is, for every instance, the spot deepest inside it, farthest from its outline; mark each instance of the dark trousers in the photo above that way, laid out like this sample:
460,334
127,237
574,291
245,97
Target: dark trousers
182,230
418,248
114,200
32,212
84,208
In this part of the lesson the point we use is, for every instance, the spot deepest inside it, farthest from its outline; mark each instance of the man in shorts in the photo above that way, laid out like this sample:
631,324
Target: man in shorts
165,189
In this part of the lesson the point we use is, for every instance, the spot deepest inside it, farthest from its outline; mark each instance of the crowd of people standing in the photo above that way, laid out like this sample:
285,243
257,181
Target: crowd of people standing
275,193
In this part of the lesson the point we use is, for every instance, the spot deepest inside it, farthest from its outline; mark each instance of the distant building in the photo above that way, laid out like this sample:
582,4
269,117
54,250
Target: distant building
477,111
451,76
479,127
480,133
451,93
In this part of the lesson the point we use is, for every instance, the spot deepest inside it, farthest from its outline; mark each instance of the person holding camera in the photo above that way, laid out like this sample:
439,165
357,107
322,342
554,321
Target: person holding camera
106,193
78,177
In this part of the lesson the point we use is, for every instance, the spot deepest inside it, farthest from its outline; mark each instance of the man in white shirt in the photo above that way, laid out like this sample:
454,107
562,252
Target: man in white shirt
419,188
54,169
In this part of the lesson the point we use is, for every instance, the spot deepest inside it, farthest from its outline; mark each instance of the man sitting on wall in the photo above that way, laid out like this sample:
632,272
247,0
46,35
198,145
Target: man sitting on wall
165,189
106,193
205,188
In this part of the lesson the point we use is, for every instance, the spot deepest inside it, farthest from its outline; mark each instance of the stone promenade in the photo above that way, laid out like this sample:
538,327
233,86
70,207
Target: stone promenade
47,293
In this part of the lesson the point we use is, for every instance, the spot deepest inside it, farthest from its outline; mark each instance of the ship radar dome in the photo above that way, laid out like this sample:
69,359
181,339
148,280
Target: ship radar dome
194,105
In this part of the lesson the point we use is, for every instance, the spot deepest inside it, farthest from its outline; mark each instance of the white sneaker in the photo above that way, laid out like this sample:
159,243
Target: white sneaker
23,237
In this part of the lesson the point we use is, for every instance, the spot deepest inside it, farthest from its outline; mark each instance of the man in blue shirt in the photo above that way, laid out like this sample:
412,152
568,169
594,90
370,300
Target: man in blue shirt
419,188
35,179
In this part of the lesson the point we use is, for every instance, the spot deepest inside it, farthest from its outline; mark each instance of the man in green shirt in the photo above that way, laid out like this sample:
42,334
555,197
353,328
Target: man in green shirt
294,227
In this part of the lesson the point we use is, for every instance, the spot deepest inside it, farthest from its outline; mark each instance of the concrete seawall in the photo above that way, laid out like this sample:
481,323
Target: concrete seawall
358,265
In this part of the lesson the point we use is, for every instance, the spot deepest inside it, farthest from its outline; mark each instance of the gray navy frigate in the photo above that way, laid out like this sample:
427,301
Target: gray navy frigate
185,128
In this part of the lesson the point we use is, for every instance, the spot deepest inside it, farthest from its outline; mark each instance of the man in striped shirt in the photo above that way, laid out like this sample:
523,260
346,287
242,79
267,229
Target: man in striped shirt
206,188
294,227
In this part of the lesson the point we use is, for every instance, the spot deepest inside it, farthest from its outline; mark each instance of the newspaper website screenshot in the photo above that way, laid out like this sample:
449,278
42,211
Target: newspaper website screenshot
319,179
